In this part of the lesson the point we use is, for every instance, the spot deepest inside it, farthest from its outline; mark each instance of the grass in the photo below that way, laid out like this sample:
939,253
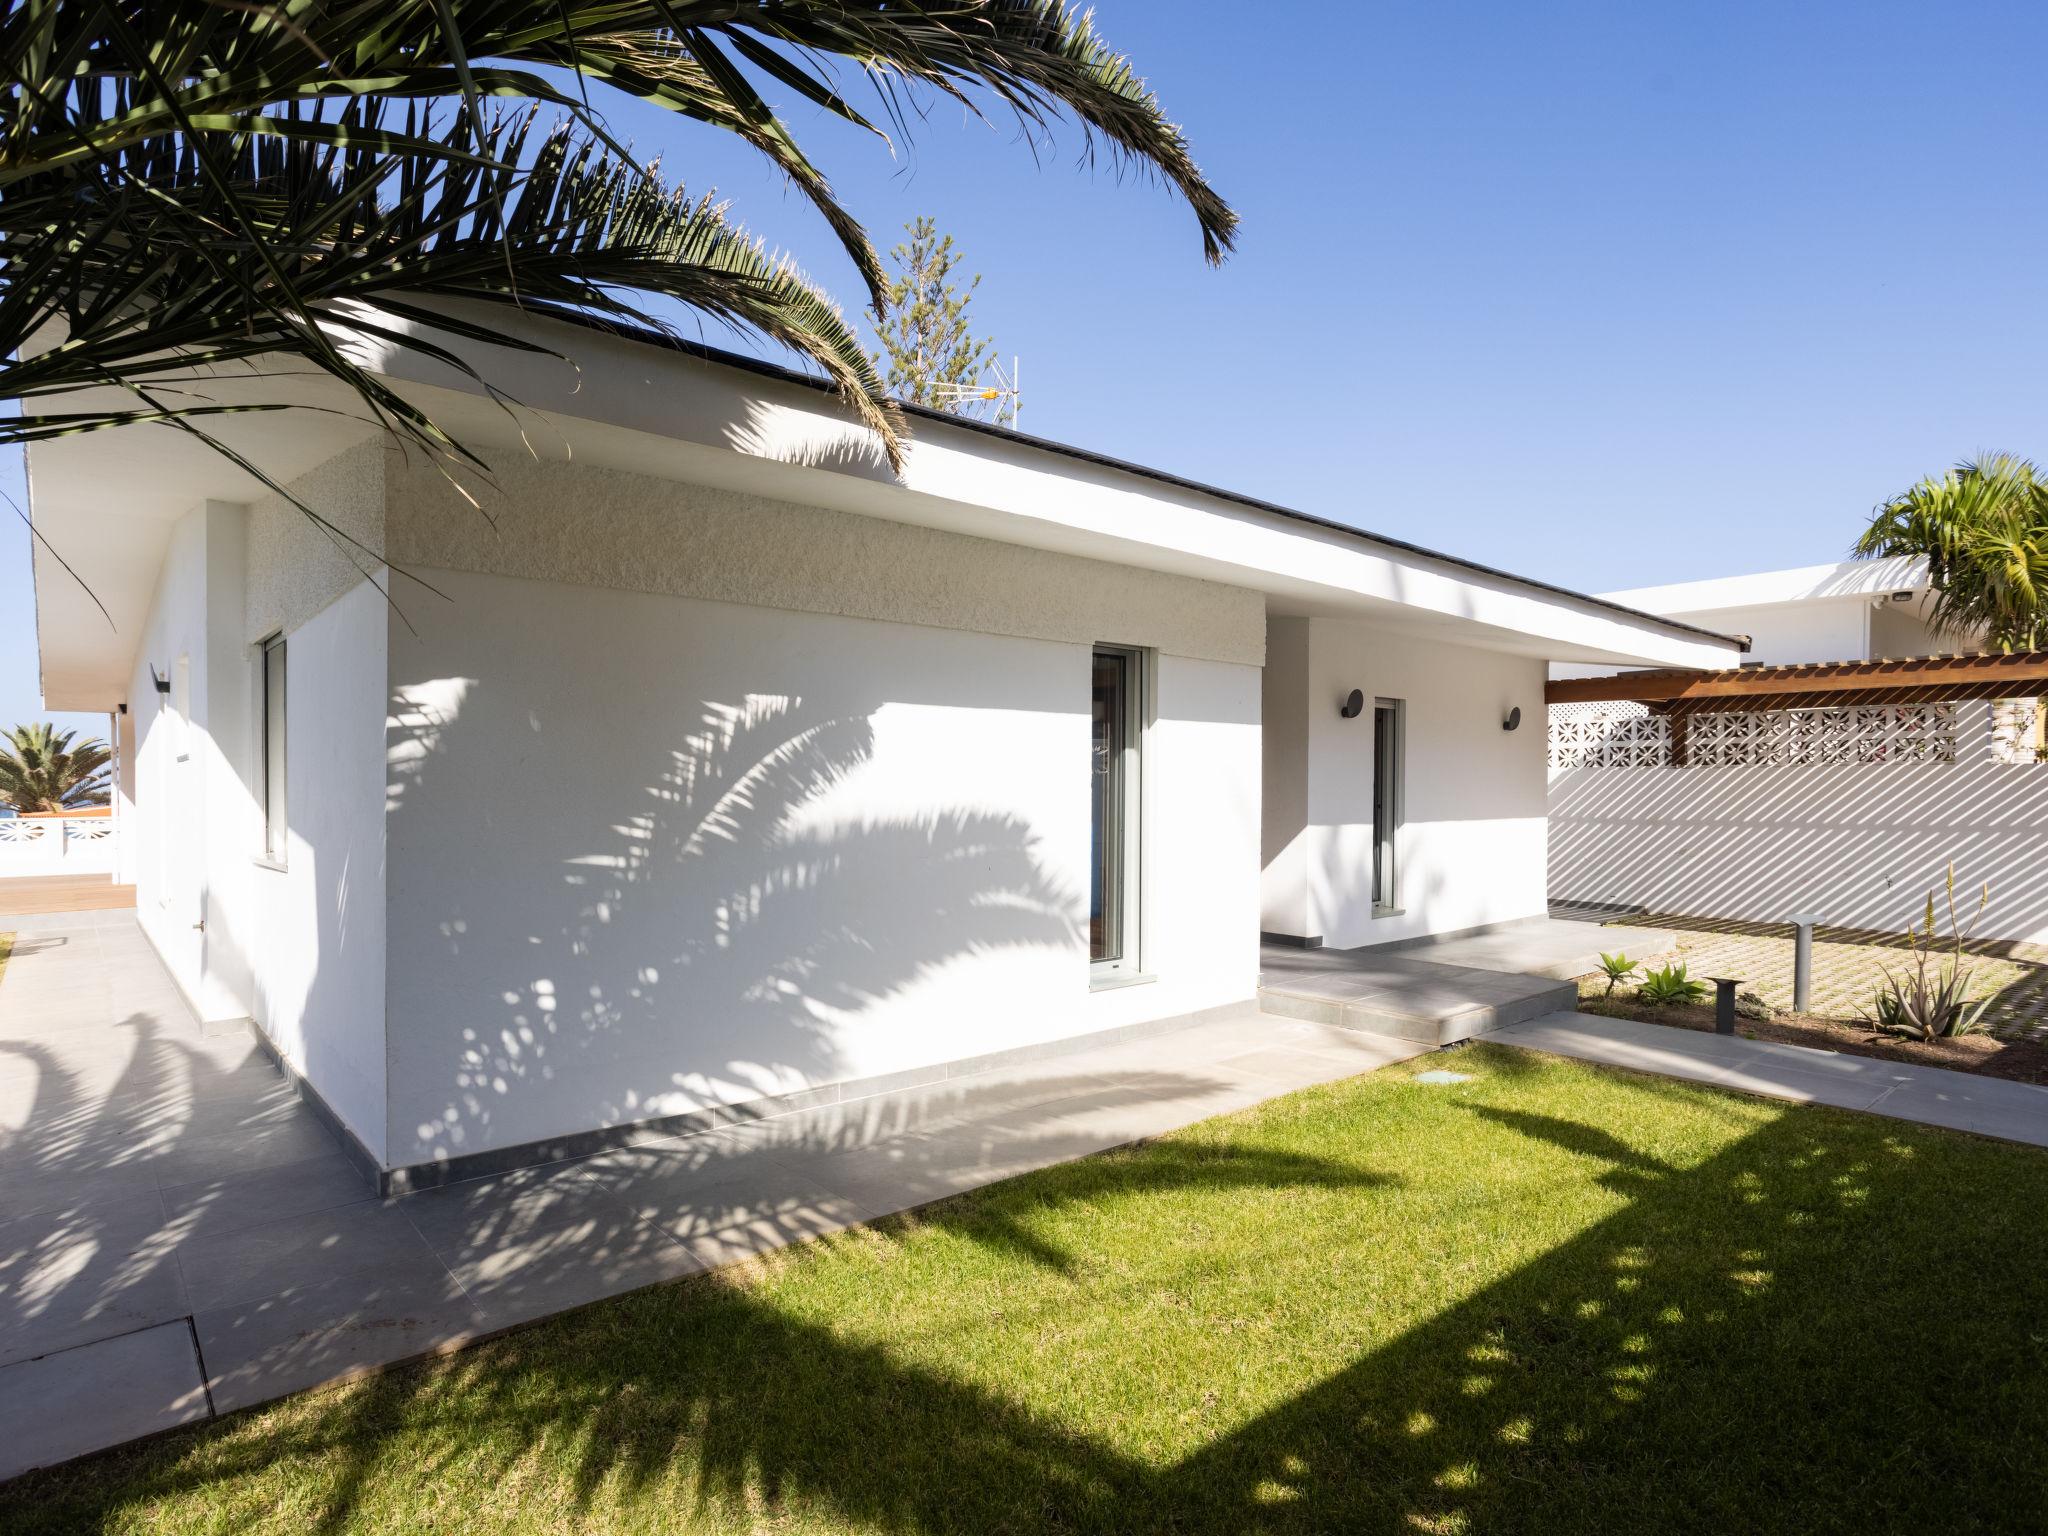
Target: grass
1552,1298
6,949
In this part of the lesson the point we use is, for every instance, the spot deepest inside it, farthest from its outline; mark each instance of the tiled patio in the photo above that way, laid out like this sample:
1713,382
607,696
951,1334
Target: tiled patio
179,1237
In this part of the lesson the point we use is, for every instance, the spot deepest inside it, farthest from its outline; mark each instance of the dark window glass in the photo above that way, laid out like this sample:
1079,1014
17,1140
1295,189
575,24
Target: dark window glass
1386,800
1110,828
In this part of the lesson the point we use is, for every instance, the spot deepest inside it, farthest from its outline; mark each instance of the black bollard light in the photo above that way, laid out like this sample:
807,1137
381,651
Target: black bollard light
1724,1004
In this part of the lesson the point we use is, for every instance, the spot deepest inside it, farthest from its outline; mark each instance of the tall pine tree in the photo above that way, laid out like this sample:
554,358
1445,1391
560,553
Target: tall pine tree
927,339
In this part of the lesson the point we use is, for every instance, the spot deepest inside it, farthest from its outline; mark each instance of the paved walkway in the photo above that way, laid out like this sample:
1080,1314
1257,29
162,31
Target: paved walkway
1557,947
1960,1101
179,1237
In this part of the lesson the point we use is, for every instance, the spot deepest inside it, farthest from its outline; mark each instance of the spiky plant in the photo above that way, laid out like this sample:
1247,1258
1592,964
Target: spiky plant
1930,1000
189,185
1617,968
41,770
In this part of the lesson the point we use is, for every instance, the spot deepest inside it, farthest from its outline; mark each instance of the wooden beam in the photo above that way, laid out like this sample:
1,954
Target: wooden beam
1837,682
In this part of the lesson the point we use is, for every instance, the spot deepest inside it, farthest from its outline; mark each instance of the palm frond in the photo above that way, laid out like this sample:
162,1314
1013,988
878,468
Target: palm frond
41,771
289,247
1983,530
202,64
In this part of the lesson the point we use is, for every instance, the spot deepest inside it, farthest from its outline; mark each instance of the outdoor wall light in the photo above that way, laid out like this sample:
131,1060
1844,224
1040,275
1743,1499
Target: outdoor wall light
1513,720
163,684
1353,706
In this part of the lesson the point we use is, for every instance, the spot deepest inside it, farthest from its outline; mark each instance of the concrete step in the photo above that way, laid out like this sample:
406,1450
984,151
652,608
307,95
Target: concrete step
1427,1014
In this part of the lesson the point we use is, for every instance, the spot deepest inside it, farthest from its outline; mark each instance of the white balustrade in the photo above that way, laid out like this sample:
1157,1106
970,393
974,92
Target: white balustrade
32,845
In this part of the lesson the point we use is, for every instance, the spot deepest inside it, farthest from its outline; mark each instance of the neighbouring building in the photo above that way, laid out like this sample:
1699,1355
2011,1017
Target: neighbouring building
1855,610
711,763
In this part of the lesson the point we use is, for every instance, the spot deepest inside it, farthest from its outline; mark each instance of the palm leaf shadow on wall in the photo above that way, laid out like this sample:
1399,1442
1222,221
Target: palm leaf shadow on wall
723,915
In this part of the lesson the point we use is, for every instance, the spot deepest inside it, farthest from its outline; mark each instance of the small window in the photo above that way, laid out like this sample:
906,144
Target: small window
1113,882
273,750
1386,805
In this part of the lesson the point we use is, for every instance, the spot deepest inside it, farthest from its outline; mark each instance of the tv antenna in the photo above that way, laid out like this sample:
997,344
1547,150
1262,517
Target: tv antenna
1006,386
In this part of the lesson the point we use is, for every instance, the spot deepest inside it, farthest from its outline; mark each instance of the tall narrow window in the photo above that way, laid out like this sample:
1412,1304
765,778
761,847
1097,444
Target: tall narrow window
1112,892
273,750
1386,805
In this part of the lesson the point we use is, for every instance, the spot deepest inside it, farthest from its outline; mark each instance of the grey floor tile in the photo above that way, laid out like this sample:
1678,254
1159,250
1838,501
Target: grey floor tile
299,1251
695,1191
71,1276
1282,1064
215,1207
468,1219
552,1269
99,1395
258,1350
29,1186
2007,1117
218,1156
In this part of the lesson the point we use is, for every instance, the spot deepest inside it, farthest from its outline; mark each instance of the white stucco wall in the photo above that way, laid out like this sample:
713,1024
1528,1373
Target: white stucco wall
315,928
1471,845
1784,633
299,950
1861,844
651,852
190,806
1901,629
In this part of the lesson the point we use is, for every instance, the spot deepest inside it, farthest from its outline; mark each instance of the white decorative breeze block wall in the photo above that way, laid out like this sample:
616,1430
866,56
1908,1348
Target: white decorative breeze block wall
1854,814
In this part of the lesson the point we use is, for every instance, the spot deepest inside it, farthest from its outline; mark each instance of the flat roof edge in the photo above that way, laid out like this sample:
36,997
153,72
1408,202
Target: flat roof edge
787,375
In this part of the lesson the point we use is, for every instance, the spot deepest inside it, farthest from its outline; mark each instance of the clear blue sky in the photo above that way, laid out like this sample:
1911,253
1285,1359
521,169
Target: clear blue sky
1608,294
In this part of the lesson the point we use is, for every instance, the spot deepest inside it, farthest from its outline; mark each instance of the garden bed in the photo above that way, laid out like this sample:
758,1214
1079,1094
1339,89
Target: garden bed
2024,1061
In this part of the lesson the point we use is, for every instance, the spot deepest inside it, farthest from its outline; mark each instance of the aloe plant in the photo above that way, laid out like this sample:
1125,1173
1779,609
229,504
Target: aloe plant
1930,1000
1669,984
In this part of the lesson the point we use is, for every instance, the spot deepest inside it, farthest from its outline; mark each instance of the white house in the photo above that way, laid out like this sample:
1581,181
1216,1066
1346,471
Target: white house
708,762
1854,610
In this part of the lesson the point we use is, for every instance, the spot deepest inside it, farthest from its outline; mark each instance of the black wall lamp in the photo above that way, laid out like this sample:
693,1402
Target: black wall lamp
1353,706
1513,720
163,684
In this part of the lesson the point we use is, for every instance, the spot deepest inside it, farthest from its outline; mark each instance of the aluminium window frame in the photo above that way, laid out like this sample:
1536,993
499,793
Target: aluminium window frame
1128,966
1393,800
272,766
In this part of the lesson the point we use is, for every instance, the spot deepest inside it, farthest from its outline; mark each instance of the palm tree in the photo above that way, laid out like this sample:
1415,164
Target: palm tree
188,186
1983,530
41,771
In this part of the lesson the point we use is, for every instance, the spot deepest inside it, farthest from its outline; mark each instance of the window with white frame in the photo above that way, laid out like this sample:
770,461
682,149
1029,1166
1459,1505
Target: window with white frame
274,822
1118,736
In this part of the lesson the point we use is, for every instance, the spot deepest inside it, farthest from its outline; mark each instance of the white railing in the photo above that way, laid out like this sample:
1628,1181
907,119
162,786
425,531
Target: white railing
34,846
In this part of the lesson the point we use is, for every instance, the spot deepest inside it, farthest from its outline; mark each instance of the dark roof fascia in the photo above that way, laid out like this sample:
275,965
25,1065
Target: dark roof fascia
786,375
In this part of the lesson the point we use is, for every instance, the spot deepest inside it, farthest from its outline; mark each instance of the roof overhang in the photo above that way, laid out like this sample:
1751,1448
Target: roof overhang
1911,680
105,503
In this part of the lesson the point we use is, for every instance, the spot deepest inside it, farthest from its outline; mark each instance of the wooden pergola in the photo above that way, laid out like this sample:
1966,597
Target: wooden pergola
1815,685
1906,680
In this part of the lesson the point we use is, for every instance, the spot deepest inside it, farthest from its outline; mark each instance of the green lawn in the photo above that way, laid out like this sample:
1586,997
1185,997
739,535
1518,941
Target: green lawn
6,949
1552,1299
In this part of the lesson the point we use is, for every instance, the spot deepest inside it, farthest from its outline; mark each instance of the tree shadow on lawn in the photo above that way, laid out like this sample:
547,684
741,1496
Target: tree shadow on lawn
1830,1323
